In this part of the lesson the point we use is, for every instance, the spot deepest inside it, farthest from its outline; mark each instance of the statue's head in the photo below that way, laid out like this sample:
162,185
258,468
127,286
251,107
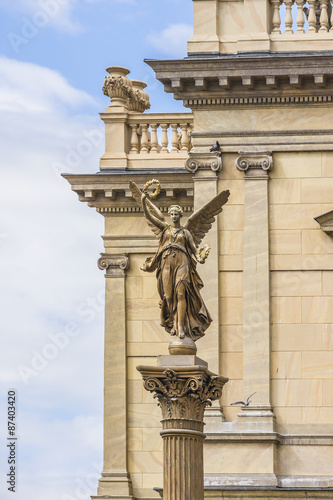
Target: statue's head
175,212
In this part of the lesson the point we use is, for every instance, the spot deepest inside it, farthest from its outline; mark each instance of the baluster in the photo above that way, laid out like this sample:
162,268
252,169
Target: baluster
323,16
184,140
189,138
330,7
174,138
144,138
300,21
154,139
165,139
134,138
312,16
276,20
288,20
179,135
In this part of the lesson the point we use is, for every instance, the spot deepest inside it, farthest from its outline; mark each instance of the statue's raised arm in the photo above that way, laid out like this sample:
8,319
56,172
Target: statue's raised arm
183,312
154,216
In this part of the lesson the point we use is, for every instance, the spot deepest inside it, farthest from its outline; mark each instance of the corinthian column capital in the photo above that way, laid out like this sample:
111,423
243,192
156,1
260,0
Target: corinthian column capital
114,265
183,393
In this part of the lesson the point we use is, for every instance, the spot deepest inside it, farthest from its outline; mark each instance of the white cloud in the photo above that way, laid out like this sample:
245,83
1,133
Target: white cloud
27,87
42,13
172,40
48,271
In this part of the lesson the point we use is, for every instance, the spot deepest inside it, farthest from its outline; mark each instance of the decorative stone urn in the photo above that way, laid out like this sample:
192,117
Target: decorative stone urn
117,86
139,100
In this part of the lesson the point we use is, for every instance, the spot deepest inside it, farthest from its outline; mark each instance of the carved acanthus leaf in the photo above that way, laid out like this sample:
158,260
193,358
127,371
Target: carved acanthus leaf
182,396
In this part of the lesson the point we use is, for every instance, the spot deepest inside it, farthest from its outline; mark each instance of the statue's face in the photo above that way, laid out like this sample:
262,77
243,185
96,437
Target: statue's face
175,215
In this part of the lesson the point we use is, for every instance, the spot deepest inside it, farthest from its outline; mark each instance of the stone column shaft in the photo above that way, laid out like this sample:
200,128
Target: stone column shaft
184,387
115,481
183,465
205,188
256,295
205,167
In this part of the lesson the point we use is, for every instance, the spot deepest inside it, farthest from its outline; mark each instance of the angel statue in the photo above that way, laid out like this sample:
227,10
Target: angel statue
183,312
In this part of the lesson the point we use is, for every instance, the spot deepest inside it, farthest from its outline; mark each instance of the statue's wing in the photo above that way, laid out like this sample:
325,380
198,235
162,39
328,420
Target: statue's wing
201,221
137,193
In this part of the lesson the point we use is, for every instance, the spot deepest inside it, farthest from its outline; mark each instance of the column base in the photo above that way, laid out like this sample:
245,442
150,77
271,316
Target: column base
241,480
259,414
214,418
115,485
112,497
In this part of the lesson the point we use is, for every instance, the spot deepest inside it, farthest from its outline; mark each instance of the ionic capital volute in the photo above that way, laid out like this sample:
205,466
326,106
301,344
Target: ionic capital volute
204,161
255,163
114,265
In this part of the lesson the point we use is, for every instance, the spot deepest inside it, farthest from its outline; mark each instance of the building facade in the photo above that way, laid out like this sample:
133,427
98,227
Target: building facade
267,98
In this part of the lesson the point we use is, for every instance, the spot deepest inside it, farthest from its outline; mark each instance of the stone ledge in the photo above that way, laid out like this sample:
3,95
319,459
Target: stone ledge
255,79
109,192
326,222
248,436
263,492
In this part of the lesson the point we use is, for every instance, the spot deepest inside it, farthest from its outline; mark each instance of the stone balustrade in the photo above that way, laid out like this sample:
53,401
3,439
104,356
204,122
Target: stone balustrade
134,137
298,17
261,26
160,133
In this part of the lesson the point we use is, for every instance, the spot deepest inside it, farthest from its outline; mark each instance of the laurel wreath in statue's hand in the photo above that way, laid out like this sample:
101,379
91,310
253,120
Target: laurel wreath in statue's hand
157,190
202,254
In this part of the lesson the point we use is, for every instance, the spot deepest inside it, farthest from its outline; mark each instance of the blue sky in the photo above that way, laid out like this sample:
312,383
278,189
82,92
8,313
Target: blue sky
52,67
80,38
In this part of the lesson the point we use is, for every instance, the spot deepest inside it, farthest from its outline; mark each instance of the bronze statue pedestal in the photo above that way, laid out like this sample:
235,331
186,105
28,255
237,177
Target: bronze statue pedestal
184,387
185,346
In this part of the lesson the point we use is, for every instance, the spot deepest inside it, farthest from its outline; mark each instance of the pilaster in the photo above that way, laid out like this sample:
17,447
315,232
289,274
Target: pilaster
205,167
257,21
115,482
256,299
205,27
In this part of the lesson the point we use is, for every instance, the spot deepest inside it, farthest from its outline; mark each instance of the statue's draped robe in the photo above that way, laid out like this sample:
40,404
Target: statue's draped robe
175,264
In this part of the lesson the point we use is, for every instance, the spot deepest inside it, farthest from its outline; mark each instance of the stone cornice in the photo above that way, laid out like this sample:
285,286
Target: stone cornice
265,79
114,265
326,222
109,192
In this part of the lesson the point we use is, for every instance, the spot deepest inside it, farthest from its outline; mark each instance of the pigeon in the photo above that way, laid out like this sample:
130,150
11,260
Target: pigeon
216,147
244,403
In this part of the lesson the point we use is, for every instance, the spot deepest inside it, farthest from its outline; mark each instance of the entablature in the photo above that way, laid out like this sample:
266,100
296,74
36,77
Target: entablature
254,79
109,191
